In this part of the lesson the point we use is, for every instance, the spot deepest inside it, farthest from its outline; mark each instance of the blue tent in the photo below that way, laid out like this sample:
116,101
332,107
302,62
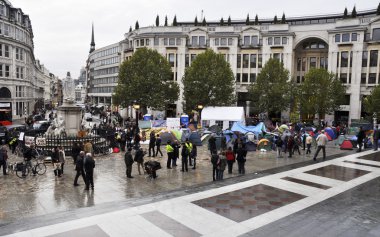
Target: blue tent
331,132
258,129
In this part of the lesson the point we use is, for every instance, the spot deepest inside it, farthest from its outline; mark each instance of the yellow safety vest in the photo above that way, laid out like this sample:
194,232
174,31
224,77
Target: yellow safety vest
169,148
189,147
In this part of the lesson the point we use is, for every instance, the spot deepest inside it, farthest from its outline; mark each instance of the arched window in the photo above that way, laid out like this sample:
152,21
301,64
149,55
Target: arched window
5,93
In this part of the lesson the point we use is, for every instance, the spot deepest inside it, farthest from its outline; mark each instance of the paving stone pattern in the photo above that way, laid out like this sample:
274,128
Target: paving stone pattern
304,182
338,172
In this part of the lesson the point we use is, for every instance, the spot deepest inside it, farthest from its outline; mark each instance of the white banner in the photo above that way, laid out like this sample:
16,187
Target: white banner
173,123
5,105
41,141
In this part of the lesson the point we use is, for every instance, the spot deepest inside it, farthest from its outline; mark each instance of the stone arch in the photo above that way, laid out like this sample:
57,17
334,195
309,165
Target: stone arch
302,40
5,93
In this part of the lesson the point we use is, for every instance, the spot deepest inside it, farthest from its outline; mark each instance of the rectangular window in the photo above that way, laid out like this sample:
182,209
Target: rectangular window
346,37
230,41
365,59
247,40
298,64
202,41
254,40
323,63
172,41
350,58
1,50
252,77
277,40
304,64
260,61
298,79
337,59
179,41
187,60
216,42
347,99
337,38
165,41
344,59
244,78
17,72
142,43
313,62
21,72
147,42
171,59
270,41
238,62
363,78
373,58
372,78
376,34
223,41
354,37
237,77
6,51
17,53
6,29
245,60
277,56
156,41
253,61
284,40
193,56
343,78
7,70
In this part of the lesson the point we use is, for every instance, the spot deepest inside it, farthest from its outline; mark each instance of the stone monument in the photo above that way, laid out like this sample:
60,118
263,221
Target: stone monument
69,113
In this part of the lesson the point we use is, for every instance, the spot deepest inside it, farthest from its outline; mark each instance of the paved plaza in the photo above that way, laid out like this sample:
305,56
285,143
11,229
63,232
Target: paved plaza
176,203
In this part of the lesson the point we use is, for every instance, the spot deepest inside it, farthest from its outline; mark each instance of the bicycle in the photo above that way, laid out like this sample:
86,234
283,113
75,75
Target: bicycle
38,168
101,150
19,151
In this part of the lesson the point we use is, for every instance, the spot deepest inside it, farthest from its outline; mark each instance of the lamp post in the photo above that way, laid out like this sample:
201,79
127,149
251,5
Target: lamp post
137,107
200,107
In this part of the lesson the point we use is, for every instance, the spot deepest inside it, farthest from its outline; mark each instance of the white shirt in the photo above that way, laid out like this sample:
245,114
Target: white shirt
322,139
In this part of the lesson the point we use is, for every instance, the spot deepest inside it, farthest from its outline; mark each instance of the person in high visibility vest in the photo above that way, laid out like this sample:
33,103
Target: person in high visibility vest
170,151
189,147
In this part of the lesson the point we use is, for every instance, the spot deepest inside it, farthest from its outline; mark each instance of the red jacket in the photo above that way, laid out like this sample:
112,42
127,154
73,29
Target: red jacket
230,155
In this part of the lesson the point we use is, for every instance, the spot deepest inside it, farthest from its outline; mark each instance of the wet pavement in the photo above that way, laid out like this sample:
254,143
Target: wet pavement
40,196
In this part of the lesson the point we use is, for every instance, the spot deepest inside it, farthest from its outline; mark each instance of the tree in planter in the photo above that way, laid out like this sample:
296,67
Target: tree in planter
175,21
157,21
371,103
209,81
321,93
221,22
147,79
271,92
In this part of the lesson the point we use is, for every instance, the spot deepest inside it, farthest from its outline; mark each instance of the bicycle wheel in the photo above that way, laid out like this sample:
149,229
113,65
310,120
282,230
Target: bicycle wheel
40,168
19,172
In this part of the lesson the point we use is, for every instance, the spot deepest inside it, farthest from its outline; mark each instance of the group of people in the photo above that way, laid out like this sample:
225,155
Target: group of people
188,155
83,160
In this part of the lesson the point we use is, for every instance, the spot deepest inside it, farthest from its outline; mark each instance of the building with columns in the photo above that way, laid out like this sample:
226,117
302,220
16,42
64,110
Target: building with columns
347,47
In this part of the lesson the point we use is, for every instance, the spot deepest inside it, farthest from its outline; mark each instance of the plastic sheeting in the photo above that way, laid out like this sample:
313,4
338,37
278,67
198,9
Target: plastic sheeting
238,127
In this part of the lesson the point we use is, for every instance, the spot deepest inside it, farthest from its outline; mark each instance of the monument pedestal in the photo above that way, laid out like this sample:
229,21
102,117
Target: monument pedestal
72,116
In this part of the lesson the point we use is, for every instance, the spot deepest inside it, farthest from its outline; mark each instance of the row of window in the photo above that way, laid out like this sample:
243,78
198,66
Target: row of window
246,77
346,37
249,60
371,78
313,62
277,40
20,91
106,52
105,89
107,61
14,32
223,41
373,55
22,108
106,80
106,71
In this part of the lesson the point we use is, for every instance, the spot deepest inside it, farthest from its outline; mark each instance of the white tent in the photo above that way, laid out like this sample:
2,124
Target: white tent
222,116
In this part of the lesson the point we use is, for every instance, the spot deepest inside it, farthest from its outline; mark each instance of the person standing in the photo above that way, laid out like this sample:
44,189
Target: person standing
88,148
189,147
279,144
221,165
309,140
230,156
123,140
62,158
241,154
376,136
3,159
290,145
158,145
214,162
297,142
176,147
212,144
170,152
360,136
223,143
193,155
184,156
129,162
321,142
304,140
79,168
55,162
139,158
89,165
152,143
75,150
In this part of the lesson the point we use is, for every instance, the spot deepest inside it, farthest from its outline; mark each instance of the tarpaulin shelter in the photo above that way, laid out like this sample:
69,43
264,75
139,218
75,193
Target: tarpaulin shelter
258,129
144,124
329,131
328,136
210,115
283,128
159,123
167,136
346,145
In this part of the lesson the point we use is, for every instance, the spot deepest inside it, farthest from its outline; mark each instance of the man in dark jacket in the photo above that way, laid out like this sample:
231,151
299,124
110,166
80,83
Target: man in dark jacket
128,159
184,156
376,136
28,156
214,162
212,144
152,143
360,136
158,145
79,168
89,165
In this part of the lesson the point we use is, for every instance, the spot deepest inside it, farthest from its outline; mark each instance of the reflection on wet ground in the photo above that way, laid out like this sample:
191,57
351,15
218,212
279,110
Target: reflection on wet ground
41,195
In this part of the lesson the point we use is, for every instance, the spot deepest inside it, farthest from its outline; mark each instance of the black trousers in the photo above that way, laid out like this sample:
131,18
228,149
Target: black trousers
184,163
158,149
318,149
308,151
79,173
170,157
4,164
129,171
151,148
241,167
89,178
230,164
214,173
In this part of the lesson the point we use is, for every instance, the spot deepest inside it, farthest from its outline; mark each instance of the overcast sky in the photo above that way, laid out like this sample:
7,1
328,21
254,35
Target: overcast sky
62,28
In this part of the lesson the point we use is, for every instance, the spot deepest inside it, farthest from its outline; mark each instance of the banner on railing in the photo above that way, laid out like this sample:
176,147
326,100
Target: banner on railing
41,141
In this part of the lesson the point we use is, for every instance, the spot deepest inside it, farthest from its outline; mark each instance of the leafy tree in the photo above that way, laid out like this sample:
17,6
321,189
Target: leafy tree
247,20
270,93
353,13
229,21
345,13
166,20
204,23
208,81
221,22
321,93
275,21
130,29
137,25
283,19
145,78
196,21
256,20
175,21
157,20
378,9
371,103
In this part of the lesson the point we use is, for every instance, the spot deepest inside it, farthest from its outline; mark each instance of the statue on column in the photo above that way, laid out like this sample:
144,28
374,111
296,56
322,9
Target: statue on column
68,89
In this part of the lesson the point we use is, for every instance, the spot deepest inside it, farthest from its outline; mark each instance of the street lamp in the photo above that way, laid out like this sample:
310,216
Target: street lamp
200,107
137,107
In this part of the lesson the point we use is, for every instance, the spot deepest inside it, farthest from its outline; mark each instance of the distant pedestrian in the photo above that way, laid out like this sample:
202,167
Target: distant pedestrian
361,137
214,162
128,162
89,165
55,162
241,158
152,144
75,150
230,156
376,136
321,142
170,152
3,159
223,143
139,158
175,157
193,155
62,158
79,168
279,144
290,145
297,143
304,140
221,166
212,144
184,157
309,140
158,145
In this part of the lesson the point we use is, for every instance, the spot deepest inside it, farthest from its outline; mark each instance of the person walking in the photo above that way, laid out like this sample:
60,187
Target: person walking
170,152
290,145
304,136
297,143
230,156
279,144
152,144
309,140
376,136
62,158
184,157
3,159
193,155
214,162
139,158
89,165
129,162
360,136
55,162
241,154
158,145
79,168
212,144
321,142
75,150
221,165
